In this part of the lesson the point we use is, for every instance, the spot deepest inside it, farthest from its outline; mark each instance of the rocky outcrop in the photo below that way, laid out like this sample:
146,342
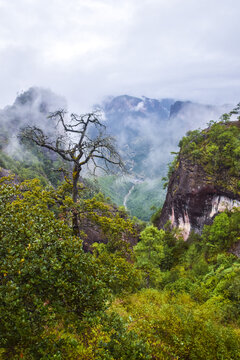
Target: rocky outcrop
97,227
4,172
193,199
94,234
7,173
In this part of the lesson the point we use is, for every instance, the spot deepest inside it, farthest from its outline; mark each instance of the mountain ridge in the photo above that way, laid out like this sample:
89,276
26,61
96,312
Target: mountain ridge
145,130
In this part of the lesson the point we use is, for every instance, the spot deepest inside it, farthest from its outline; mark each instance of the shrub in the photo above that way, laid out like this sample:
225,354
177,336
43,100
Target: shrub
46,278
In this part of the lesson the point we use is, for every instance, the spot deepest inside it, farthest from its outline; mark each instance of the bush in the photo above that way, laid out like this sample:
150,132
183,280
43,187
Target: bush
46,278
223,233
179,328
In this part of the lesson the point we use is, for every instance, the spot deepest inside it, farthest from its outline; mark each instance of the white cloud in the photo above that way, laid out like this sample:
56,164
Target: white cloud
87,49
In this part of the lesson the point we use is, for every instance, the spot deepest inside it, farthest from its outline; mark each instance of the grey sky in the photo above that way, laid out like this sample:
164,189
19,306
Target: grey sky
88,49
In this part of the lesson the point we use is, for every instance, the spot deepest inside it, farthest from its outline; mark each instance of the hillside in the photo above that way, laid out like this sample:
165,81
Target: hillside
147,131
204,178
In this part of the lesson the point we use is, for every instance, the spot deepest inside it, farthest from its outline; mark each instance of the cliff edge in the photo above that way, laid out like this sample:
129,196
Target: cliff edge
205,178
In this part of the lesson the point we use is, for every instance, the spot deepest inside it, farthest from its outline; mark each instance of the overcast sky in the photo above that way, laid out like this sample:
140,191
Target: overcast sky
88,49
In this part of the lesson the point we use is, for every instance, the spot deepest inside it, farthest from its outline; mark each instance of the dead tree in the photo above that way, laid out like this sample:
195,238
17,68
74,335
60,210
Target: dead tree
81,141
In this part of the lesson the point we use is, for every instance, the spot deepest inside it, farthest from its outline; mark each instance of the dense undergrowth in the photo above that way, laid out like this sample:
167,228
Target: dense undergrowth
166,299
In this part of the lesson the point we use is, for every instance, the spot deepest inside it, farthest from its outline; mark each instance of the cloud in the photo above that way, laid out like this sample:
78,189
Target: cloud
150,139
87,49
29,108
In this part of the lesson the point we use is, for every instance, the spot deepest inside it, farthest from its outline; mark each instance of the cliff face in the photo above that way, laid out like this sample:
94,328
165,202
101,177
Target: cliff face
193,200
6,173
94,234
201,188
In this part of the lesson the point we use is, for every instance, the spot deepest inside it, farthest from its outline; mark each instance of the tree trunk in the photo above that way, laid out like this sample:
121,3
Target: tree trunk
75,222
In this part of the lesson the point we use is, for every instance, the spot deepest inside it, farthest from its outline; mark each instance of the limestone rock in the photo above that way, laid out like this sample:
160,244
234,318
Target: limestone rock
193,199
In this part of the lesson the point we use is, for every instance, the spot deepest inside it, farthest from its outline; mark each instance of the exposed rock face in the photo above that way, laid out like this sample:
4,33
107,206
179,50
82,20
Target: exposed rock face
235,249
93,231
94,234
193,200
6,173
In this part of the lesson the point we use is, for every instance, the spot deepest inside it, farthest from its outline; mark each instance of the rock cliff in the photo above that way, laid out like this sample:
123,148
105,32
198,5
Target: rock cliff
193,200
203,185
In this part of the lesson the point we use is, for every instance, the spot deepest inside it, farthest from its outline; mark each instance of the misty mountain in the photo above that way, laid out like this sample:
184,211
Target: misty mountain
147,131
31,108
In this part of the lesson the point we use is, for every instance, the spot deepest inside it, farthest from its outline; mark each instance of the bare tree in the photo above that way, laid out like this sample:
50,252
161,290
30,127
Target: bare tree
77,145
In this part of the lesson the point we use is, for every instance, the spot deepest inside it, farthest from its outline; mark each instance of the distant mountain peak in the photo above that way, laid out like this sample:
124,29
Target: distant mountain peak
43,100
137,106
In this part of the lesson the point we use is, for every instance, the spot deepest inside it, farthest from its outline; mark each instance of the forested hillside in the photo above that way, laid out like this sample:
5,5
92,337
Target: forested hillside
139,292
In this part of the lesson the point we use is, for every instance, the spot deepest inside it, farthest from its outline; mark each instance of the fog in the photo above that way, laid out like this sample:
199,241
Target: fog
29,108
85,50
145,142
165,136
152,137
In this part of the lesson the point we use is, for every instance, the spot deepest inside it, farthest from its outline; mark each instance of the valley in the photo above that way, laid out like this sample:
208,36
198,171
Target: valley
146,132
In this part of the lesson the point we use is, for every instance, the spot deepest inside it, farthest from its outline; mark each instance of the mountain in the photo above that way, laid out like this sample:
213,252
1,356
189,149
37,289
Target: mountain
129,105
31,108
147,131
205,179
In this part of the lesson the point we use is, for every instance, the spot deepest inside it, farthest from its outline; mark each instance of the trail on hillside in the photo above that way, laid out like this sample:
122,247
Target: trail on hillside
127,196
134,183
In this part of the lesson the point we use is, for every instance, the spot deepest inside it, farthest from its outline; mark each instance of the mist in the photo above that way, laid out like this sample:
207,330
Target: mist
147,137
29,108
146,130
165,136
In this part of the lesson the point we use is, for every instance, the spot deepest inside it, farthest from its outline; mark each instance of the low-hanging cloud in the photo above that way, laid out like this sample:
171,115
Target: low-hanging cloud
149,138
30,108
144,137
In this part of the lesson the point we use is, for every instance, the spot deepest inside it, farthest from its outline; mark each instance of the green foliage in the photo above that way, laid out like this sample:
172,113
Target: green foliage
217,149
123,343
118,273
177,327
149,254
45,275
157,251
150,249
223,233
